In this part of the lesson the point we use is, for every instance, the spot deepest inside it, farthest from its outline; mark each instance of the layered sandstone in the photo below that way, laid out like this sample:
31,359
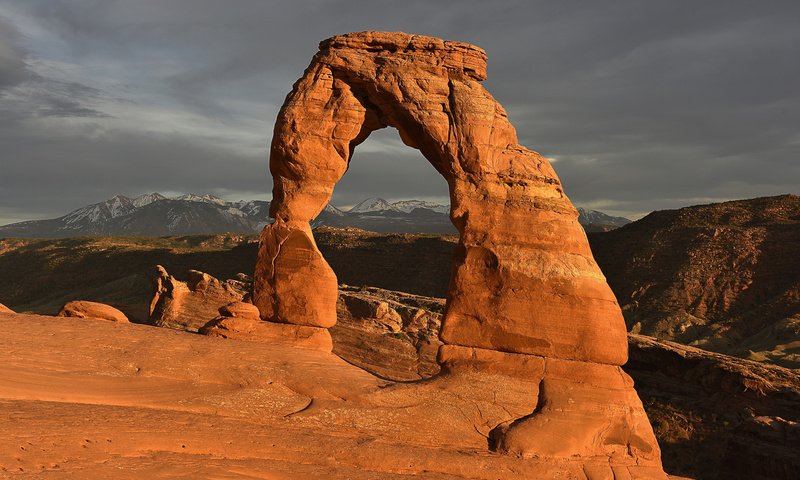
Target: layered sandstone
524,283
190,304
241,321
715,416
84,309
394,335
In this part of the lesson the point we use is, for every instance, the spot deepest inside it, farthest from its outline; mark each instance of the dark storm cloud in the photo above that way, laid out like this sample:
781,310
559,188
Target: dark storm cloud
644,105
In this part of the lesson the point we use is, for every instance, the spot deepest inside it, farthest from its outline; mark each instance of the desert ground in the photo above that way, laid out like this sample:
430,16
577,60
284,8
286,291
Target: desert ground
87,398
714,415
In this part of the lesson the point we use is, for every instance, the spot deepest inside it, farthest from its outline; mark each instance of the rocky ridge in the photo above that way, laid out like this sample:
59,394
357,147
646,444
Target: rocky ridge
724,277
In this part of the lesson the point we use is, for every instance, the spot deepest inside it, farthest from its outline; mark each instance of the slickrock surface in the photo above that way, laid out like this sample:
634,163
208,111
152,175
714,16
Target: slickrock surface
191,304
136,401
723,277
524,280
83,309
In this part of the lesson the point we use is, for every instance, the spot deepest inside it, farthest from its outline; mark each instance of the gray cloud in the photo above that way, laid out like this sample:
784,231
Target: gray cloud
645,105
13,69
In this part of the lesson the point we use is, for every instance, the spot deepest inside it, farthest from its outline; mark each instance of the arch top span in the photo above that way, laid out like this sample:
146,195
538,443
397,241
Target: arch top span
463,58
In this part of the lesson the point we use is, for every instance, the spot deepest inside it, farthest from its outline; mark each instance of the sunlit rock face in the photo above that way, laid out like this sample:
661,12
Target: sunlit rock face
84,309
524,283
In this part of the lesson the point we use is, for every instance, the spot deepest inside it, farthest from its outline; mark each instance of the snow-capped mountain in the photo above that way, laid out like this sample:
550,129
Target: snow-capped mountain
373,204
147,198
409,205
331,210
191,197
99,212
154,214
377,214
151,215
594,217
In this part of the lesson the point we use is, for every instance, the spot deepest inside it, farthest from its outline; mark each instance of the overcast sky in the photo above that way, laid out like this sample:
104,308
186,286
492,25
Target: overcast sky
643,105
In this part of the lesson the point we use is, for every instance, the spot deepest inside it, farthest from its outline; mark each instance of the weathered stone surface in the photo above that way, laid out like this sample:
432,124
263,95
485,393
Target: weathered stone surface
84,309
583,409
457,359
4,309
392,334
280,294
524,280
257,330
191,304
239,310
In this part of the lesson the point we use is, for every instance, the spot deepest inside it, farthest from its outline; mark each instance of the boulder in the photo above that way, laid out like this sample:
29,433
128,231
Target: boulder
239,310
84,309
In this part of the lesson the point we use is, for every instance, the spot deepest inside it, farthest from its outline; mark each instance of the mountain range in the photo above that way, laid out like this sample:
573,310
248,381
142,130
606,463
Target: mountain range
154,214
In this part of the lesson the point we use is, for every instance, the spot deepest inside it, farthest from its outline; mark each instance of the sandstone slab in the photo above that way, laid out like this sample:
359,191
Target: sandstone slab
257,330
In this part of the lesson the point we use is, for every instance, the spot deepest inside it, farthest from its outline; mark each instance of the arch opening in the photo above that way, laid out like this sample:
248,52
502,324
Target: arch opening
393,276
384,183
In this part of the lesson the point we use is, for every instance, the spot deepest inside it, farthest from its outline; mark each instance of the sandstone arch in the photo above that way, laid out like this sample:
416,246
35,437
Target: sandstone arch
524,288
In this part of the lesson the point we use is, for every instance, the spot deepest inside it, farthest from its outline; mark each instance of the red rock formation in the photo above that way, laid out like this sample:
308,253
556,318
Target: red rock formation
394,335
83,309
524,280
240,310
241,321
191,304
4,309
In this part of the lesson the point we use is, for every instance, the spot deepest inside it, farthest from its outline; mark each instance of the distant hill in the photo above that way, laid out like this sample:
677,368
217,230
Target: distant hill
156,215
724,277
